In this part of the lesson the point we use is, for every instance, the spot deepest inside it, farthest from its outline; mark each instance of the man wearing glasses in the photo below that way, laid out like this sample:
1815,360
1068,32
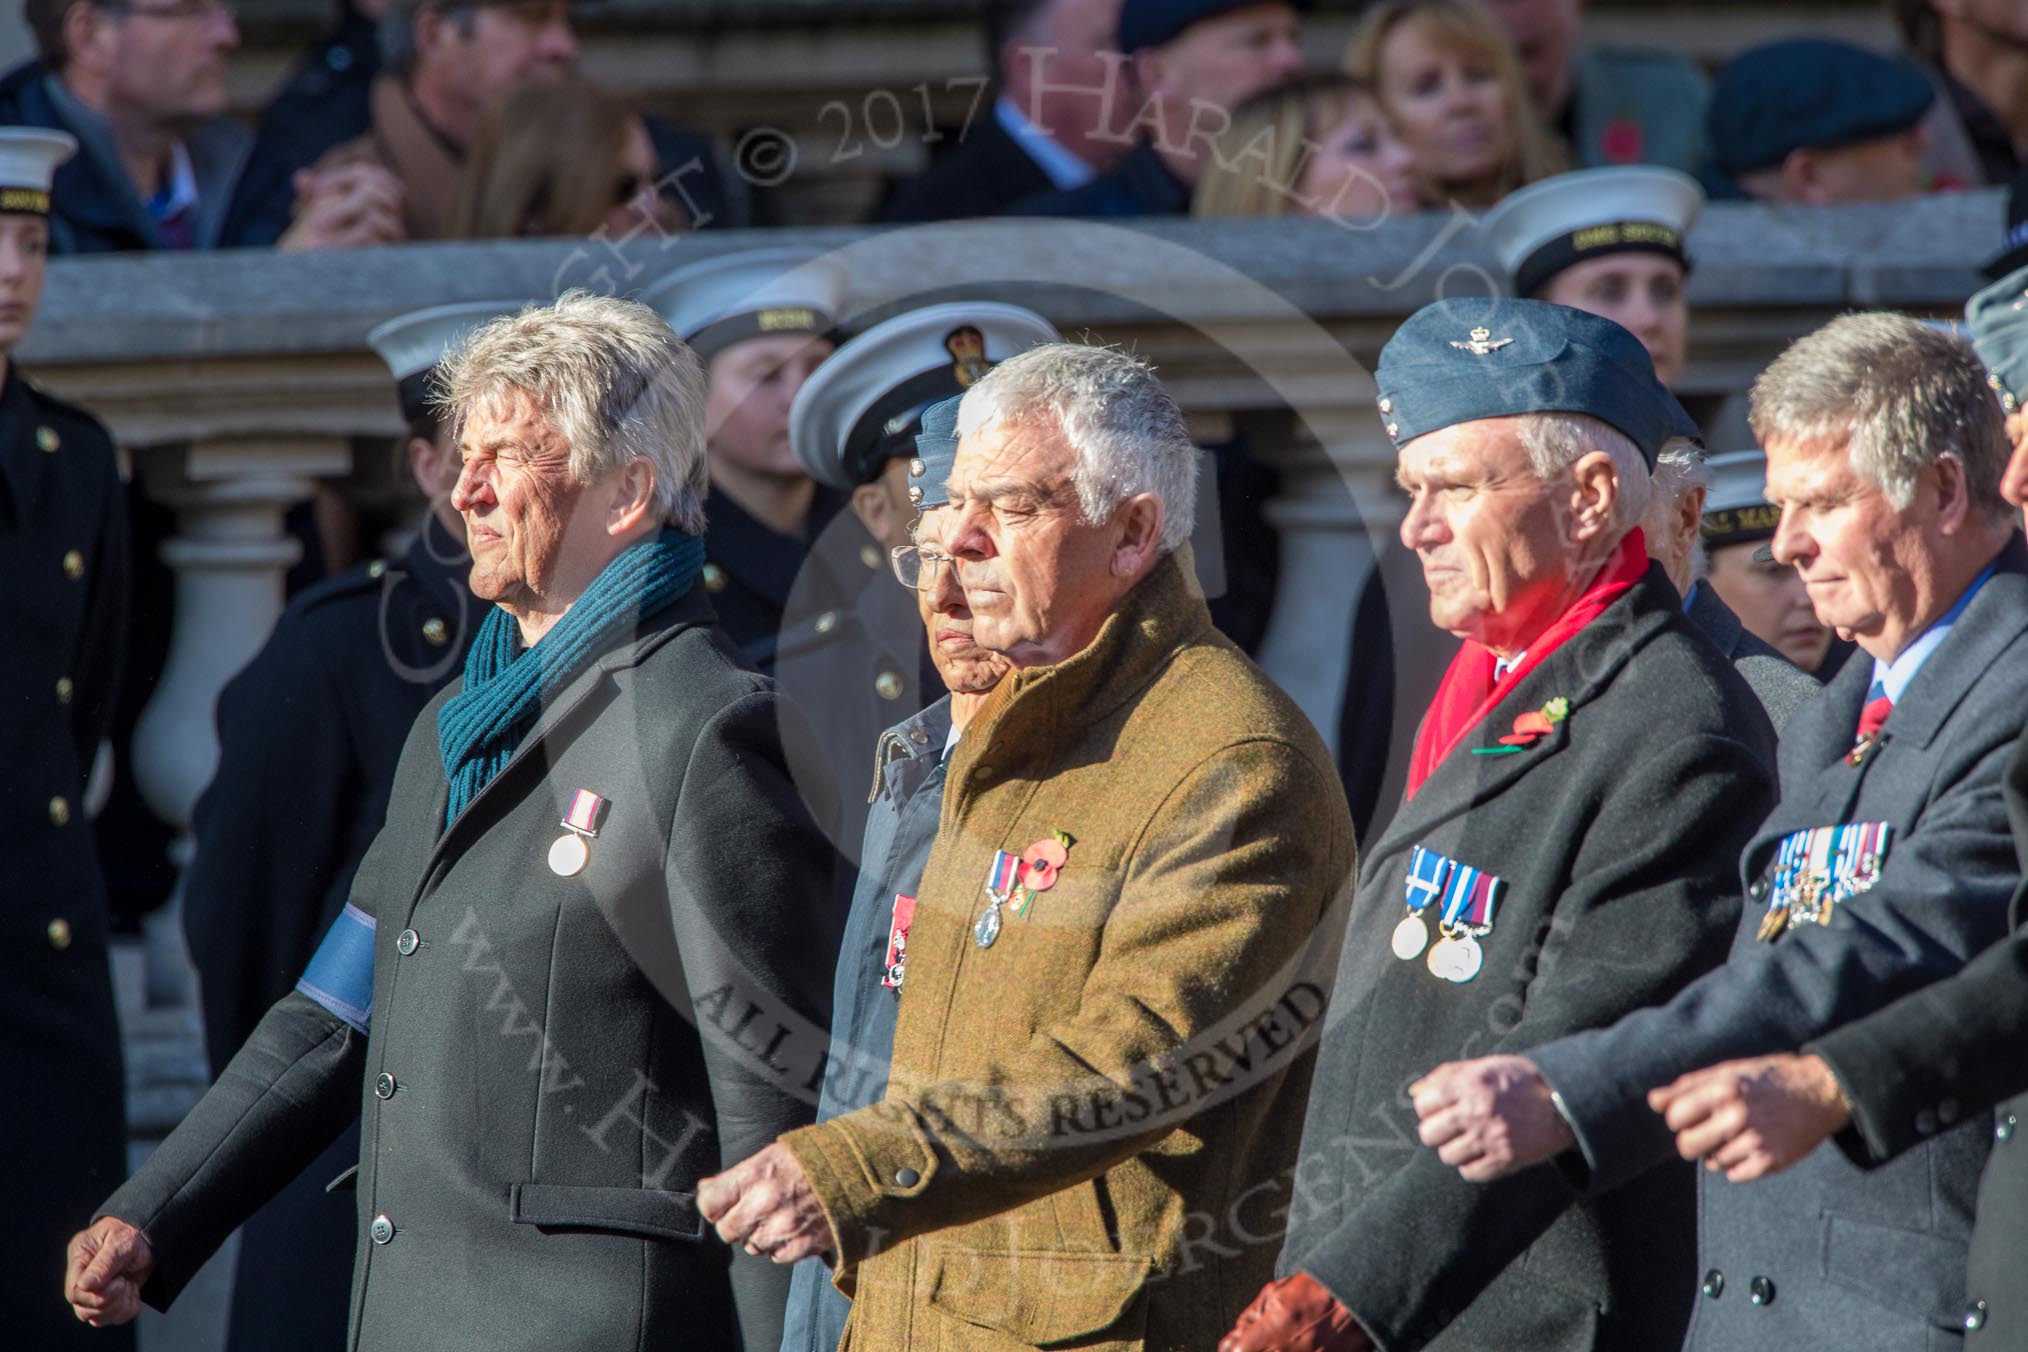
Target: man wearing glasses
908,790
141,85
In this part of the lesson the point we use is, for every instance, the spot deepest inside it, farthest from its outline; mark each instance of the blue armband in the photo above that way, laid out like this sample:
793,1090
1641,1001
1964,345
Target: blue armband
340,976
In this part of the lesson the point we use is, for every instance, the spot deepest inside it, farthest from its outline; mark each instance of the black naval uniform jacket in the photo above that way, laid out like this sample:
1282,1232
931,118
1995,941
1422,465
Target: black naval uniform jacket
64,551
339,683
1945,1054
750,570
554,1062
1780,685
1615,837
1825,1254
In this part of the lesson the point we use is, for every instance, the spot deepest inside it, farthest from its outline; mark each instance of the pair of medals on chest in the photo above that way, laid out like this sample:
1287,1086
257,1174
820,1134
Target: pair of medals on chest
1016,879
571,852
1464,900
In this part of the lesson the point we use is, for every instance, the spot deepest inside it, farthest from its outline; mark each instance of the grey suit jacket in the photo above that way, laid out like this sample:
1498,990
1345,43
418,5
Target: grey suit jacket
553,1061
1780,685
1841,1258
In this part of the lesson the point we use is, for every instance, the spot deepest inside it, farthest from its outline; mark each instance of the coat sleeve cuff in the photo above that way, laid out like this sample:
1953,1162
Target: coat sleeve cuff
1880,1085
1619,1137
861,1167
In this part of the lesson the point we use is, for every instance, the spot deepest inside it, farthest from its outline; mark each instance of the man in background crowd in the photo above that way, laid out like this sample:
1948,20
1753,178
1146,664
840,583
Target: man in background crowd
1188,65
142,88
1058,88
1817,122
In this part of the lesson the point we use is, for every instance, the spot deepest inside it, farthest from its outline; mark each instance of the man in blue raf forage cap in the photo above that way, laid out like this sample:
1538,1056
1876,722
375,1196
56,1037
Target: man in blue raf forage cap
1580,789
1817,121
851,650
908,794
64,552
1887,864
340,682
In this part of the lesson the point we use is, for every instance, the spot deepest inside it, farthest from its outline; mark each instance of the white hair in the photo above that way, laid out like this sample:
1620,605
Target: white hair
1556,441
611,377
1126,431
1900,394
1679,468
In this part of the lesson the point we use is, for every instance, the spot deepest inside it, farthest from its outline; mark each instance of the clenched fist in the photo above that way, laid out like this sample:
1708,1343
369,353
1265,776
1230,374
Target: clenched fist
109,1264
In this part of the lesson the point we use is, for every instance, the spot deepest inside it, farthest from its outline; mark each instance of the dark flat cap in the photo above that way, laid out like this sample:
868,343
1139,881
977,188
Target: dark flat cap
1810,94
1156,23
1458,361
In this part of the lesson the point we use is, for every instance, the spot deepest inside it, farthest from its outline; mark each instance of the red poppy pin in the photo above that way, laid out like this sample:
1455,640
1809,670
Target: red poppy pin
1040,865
1534,724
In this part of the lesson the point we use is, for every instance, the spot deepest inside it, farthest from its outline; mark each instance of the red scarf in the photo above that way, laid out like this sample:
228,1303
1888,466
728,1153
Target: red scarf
1469,693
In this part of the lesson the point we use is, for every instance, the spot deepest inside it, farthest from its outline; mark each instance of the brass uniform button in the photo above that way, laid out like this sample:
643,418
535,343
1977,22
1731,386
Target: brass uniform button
714,578
65,688
1394,429
869,556
73,565
59,934
916,469
59,811
436,632
377,569
47,439
887,685
827,621
1387,406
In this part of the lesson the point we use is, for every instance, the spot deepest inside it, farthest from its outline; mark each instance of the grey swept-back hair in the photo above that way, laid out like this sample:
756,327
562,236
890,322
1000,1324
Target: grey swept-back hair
612,379
1901,395
1556,441
1679,467
1126,431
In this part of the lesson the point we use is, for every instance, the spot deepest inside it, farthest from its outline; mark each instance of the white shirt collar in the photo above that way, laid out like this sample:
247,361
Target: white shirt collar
182,185
1063,167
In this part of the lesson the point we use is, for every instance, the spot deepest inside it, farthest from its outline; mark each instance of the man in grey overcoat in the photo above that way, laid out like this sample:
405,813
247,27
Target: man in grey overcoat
1886,865
586,961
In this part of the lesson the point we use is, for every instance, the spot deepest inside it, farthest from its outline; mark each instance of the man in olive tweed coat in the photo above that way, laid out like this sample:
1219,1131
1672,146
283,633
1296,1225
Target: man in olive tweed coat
1100,1071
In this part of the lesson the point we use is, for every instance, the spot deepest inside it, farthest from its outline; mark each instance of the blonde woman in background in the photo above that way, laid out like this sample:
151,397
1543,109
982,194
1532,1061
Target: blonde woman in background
562,158
1448,77
1318,146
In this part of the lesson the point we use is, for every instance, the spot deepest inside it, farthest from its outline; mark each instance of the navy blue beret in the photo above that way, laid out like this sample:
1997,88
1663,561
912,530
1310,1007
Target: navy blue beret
1457,361
1810,94
1156,23
1685,425
936,449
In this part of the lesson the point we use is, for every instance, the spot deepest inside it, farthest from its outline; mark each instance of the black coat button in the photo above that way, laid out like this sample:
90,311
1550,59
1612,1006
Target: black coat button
2003,1130
1975,1316
1714,1283
383,1085
381,1230
1760,1291
906,1178
407,942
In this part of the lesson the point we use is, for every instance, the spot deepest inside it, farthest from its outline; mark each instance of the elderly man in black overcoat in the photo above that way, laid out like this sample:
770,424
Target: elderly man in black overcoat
584,964
1886,865
1580,788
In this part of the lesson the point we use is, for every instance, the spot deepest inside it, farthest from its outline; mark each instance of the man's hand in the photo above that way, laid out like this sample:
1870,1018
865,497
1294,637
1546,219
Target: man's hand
1489,1117
766,1205
109,1264
1295,1314
1754,1117
350,207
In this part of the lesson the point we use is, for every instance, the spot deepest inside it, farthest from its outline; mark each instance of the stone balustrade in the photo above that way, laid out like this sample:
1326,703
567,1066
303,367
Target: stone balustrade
236,382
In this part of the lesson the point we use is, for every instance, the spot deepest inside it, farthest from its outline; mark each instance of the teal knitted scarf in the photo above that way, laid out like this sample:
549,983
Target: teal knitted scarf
506,684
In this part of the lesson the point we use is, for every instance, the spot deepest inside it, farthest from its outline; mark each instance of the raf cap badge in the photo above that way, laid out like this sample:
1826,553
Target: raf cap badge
1482,343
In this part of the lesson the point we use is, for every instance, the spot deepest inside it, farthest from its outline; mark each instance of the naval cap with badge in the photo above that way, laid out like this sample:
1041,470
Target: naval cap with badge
1559,222
761,293
1998,319
1457,361
1157,23
1810,94
863,407
414,344
29,157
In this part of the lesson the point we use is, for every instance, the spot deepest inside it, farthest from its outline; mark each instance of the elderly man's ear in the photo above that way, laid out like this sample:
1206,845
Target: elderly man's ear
1594,496
1140,543
630,510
